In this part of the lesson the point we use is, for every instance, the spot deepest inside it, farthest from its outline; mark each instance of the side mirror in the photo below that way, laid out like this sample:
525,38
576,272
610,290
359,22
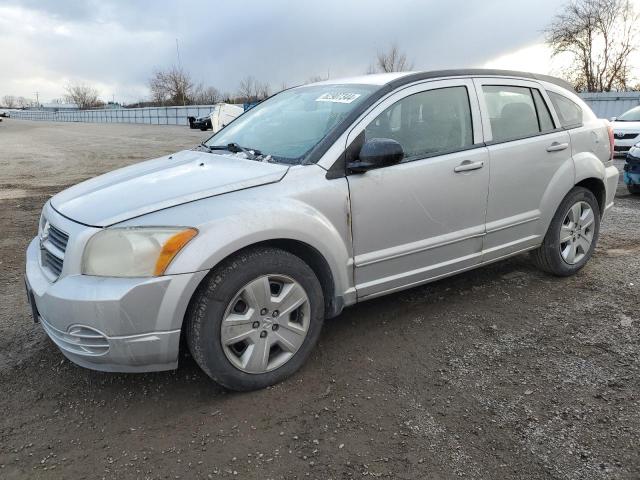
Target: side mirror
613,119
377,153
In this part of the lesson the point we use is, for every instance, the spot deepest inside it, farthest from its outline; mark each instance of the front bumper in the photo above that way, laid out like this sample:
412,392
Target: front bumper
112,324
622,146
631,174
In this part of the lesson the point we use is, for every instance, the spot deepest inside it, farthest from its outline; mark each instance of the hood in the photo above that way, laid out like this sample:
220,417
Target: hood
161,183
624,127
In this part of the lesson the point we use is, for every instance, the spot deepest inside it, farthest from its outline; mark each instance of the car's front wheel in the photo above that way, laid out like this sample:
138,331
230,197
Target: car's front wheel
255,319
572,235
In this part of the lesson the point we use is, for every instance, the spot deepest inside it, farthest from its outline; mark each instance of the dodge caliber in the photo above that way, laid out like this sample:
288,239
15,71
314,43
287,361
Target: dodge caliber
320,197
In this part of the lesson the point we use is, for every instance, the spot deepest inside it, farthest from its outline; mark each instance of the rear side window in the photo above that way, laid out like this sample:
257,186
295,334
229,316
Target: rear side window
568,111
544,116
427,123
516,112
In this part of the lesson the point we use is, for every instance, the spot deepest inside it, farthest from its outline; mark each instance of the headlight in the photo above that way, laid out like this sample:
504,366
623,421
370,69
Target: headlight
134,252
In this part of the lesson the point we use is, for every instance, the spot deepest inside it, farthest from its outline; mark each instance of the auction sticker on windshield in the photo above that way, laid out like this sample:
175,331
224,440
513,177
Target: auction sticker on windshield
338,97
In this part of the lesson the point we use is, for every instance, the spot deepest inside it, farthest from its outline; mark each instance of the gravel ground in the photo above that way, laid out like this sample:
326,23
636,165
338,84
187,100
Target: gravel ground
502,372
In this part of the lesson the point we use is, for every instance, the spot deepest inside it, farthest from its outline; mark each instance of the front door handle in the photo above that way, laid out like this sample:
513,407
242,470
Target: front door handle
557,147
467,166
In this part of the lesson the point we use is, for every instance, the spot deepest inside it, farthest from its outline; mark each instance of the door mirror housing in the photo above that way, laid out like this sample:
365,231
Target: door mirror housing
613,119
377,153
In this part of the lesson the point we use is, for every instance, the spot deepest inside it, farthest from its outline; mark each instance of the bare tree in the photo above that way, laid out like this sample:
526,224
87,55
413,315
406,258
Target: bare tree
252,90
263,90
173,86
9,101
392,60
207,96
599,36
315,79
83,95
23,102
247,88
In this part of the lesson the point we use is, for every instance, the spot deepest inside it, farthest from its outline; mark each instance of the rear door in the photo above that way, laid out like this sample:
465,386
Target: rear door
531,164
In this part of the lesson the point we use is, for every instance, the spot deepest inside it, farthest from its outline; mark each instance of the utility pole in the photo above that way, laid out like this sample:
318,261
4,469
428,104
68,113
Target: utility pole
180,67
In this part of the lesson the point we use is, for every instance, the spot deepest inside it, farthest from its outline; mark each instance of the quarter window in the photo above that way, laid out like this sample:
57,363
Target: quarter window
568,111
544,116
427,123
516,112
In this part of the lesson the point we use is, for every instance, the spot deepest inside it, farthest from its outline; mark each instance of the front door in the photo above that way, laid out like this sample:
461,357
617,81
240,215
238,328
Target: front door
425,217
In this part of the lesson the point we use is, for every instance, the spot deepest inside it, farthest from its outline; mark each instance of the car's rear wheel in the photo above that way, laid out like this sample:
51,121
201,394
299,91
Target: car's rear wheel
255,319
572,235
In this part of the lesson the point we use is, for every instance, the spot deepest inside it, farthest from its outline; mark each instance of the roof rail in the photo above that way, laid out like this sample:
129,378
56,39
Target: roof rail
413,77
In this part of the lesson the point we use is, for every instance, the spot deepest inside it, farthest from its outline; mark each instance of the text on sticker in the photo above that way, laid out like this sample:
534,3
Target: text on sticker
337,97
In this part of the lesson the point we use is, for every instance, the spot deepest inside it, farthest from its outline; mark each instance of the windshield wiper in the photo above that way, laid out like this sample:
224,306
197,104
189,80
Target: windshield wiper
252,153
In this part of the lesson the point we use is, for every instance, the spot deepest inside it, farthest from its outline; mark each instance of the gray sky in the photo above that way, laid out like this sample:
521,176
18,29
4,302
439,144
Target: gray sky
116,44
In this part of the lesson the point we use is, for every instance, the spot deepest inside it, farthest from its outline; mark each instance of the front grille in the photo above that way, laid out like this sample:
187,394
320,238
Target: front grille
58,238
53,246
52,262
626,136
618,148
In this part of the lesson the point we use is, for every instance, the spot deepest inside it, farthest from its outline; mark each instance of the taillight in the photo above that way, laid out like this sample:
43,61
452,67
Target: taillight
611,141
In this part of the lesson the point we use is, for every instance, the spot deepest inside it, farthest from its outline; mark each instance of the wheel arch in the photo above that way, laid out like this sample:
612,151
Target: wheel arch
333,302
597,187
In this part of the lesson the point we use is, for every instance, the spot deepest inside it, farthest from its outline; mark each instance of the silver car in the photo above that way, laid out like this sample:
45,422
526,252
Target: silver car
320,197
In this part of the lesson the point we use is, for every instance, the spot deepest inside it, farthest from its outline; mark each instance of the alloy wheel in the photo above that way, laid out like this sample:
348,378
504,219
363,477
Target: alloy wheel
576,233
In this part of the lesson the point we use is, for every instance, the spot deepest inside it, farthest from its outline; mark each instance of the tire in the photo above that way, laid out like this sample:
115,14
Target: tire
633,189
211,316
554,256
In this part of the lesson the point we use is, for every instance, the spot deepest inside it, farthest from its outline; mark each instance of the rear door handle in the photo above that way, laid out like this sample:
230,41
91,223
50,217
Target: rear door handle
557,147
467,166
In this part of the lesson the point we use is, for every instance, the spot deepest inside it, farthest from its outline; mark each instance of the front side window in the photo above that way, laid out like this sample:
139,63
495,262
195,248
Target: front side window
289,125
516,112
569,112
427,123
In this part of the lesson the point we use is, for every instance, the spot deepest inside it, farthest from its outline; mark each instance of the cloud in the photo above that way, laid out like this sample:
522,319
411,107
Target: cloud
116,44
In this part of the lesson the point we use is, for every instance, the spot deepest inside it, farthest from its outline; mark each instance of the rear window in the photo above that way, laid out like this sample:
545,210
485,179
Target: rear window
568,111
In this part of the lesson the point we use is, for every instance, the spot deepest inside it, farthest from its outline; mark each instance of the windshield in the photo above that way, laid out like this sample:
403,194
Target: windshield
290,124
632,115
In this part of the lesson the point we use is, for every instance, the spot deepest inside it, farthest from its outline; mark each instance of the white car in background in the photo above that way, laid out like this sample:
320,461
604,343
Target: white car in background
221,115
626,130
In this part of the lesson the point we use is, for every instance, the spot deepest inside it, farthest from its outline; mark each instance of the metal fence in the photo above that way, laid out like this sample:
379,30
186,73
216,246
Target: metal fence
611,104
148,115
605,105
